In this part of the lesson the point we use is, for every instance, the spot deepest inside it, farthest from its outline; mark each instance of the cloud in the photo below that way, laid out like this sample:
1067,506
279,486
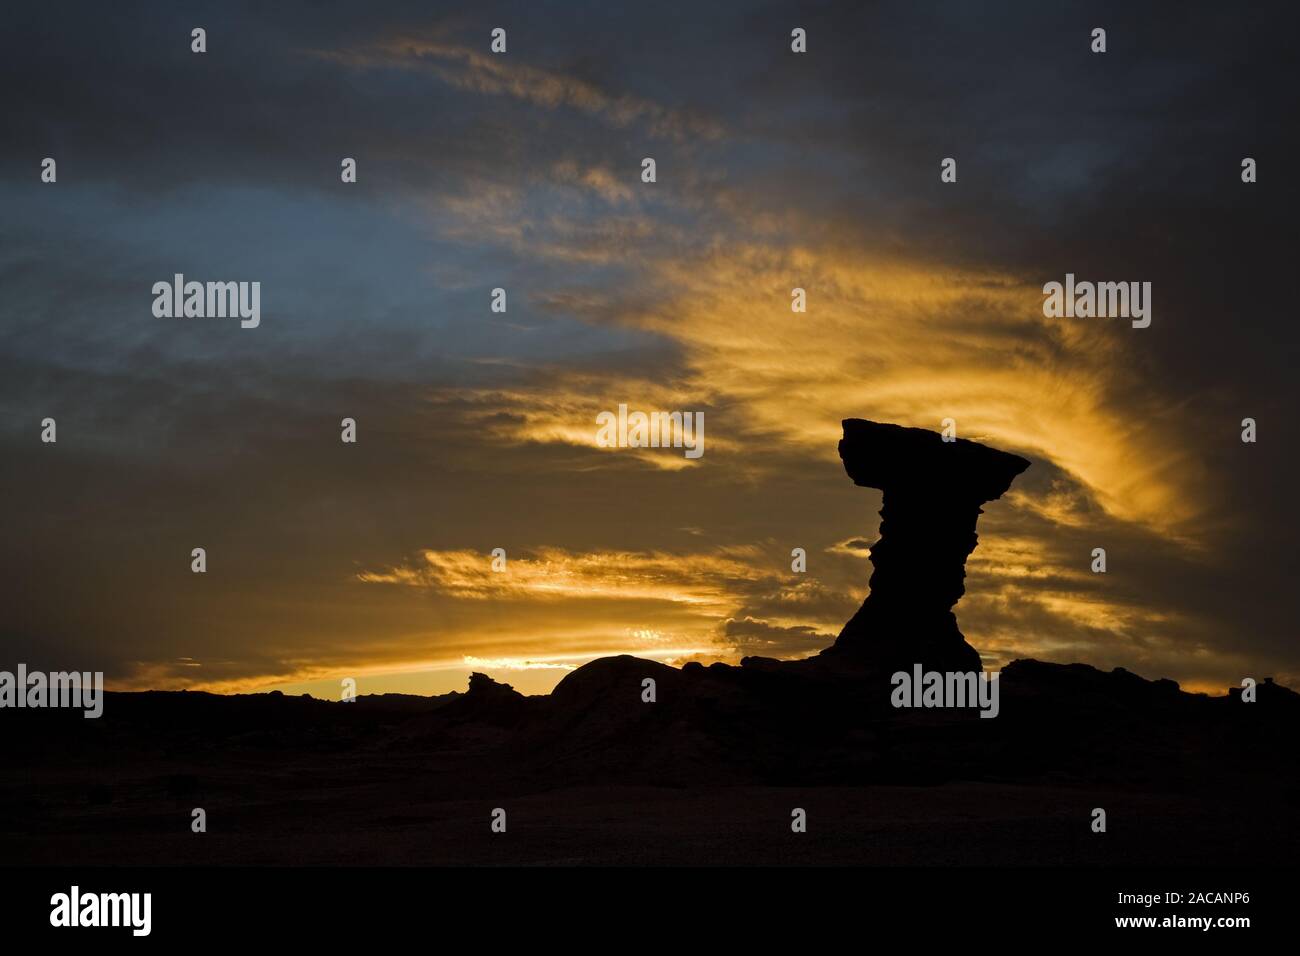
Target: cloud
478,72
705,581
757,637
478,430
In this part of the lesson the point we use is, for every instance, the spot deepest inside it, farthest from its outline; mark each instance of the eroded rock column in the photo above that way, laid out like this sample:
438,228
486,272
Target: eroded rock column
933,491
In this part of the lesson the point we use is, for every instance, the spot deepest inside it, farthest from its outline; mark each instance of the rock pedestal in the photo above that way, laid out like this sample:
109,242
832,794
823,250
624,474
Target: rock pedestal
933,491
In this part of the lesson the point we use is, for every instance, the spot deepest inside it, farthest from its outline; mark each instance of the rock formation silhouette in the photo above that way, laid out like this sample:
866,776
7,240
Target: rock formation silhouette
933,492
395,774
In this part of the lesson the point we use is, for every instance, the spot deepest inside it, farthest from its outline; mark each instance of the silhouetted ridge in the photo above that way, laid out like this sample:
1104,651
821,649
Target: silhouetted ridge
488,702
1065,738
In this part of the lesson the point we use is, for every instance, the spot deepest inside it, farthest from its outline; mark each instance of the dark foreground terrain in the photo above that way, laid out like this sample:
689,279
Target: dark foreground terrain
709,773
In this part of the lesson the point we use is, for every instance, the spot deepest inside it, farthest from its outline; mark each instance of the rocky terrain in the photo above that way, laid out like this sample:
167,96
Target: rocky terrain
629,760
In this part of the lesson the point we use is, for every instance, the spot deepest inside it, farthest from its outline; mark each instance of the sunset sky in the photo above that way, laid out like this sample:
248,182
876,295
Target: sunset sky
477,430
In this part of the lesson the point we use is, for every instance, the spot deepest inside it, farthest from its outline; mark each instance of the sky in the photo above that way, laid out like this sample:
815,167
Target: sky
476,430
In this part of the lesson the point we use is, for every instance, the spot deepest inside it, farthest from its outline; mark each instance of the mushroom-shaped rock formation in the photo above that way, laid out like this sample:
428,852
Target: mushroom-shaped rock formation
933,490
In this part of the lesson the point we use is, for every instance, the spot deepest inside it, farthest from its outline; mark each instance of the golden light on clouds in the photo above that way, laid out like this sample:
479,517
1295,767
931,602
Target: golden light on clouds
706,276
884,337
551,573
914,344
